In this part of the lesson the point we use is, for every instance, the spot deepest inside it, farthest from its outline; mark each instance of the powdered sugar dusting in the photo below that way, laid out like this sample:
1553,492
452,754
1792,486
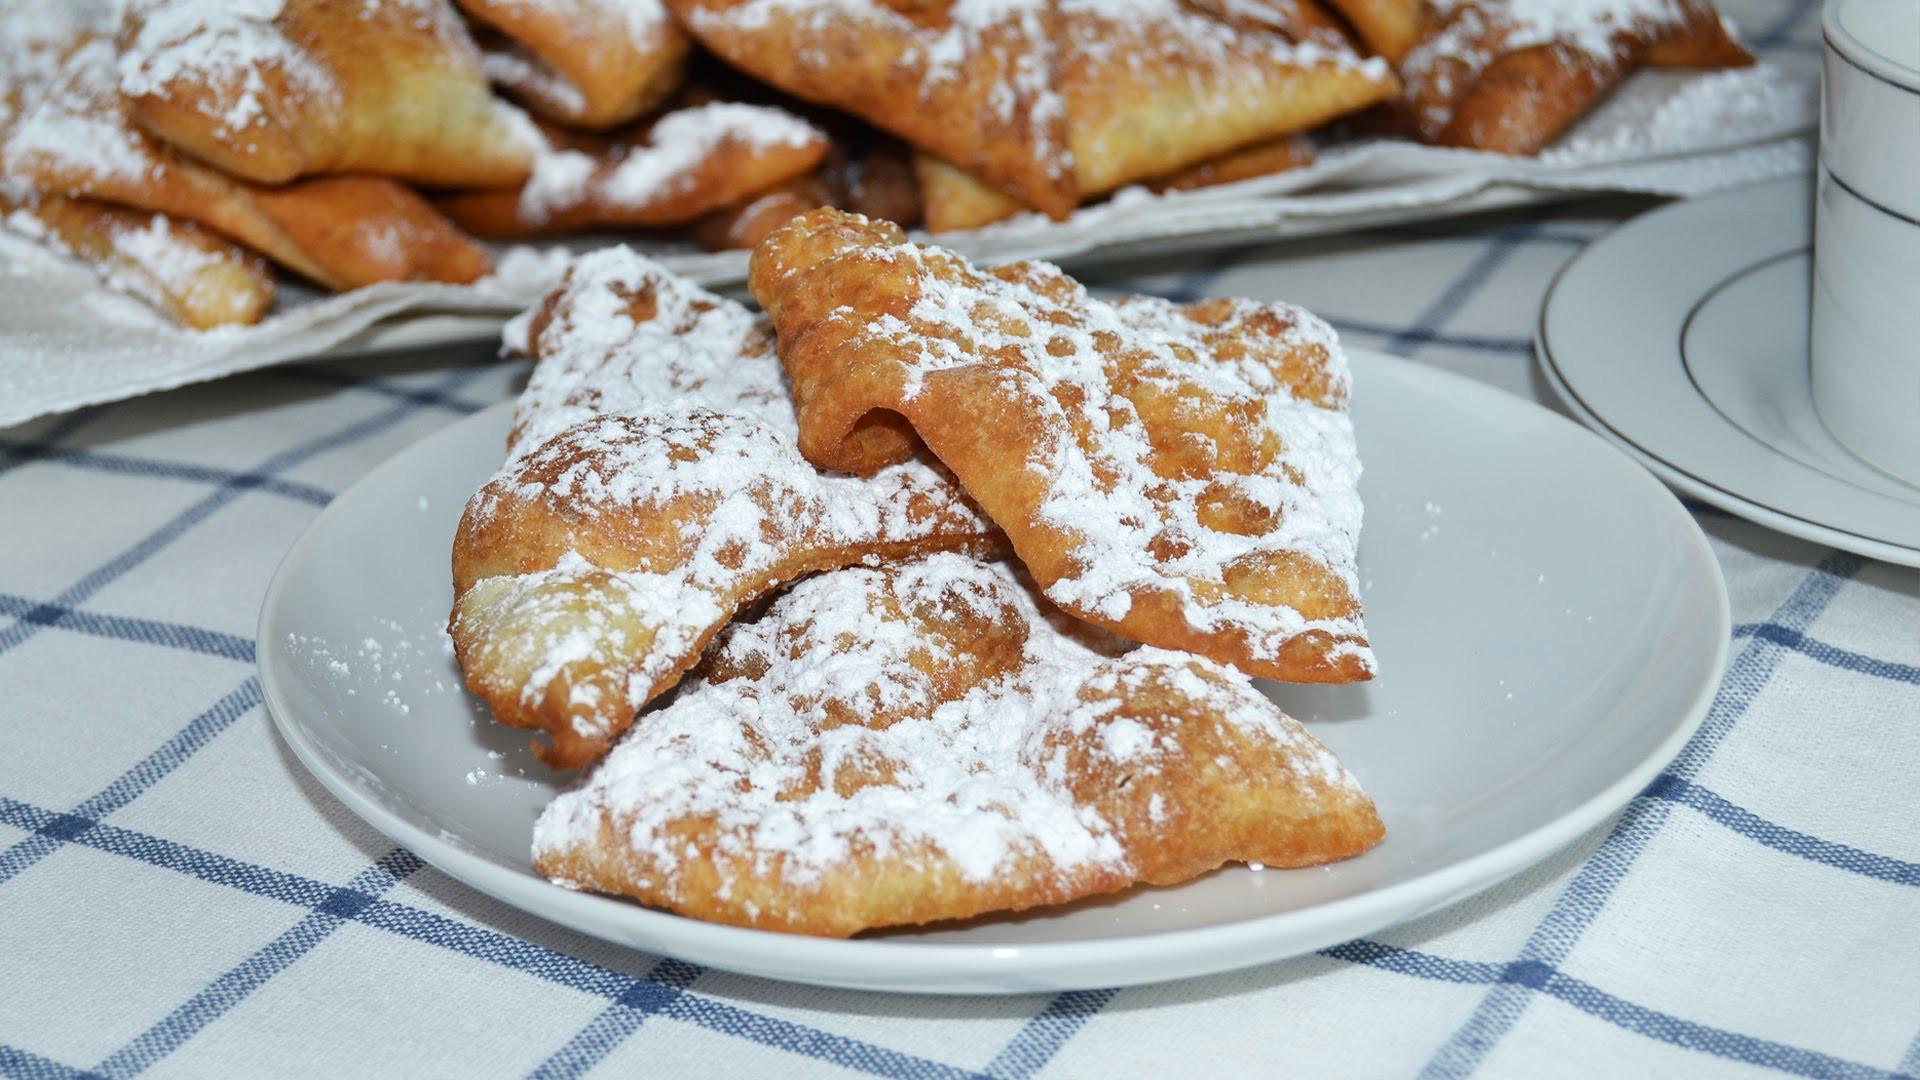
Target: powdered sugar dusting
1008,37
519,70
1141,33
73,127
598,356
153,262
1473,33
653,397
225,44
662,165
834,725
1149,501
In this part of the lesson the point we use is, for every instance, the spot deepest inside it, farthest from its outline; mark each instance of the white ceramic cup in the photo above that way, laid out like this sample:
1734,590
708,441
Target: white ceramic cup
1865,342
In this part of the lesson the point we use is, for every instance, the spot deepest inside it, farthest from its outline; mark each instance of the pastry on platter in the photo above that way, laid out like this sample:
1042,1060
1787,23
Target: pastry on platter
652,489
952,200
1388,28
743,225
195,277
1182,475
587,63
668,171
970,82
1260,159
1048,104
73,137
876,180
274,92
919,742
1152,87
1510,75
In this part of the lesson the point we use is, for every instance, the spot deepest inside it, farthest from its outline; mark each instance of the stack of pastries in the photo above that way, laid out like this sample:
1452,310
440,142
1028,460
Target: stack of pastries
185,145
934,591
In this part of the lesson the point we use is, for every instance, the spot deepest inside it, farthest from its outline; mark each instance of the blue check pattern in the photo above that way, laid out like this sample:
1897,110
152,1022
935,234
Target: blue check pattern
179,897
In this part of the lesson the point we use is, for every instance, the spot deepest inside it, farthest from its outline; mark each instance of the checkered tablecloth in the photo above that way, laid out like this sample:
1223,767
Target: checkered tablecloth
178,895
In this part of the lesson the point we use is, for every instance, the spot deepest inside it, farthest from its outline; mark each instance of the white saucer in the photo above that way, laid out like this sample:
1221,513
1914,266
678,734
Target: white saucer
1551,627
1682,337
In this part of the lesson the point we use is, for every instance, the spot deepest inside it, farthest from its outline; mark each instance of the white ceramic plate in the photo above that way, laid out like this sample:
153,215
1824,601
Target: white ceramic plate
1550,622
1682,337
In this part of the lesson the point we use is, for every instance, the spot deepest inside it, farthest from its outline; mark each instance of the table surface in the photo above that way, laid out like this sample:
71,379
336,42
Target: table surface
179,896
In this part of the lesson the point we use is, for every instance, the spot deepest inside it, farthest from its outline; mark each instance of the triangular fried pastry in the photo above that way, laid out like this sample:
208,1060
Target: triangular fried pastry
915,743
953,200
588,63
1182,475
365,229
969,80
1152,87
1260,159
1388,27
192,276
1509,75
72,137
289,89
669,171
652,489
743,225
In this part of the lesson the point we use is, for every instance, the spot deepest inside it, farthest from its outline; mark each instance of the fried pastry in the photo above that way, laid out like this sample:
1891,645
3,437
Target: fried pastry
73,138
588,63
742,226
1261,159
274,92
1390,28
670,171
914,743
194,277
364,229
1182,475
652,489
880,184
1509,76
1151,87
969,81
952,200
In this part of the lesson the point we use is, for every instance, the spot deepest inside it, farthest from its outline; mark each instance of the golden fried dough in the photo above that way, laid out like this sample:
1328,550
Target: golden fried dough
73,137
914,743
392,87
952,200
669,171
364,229
1508,76
1261,159
194,277
652,489
589,63
1388,27
971,83
742,226
1182,475
881,184
1151,87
